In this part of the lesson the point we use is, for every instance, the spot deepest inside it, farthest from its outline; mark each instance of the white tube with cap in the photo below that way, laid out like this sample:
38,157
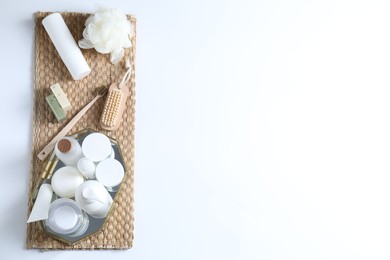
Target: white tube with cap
66,46
40,210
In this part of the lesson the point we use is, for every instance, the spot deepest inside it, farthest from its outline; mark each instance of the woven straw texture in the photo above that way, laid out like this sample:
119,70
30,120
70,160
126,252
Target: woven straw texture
49,69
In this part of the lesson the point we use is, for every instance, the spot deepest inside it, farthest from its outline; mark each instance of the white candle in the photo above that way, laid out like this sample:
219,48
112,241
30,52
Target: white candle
66,46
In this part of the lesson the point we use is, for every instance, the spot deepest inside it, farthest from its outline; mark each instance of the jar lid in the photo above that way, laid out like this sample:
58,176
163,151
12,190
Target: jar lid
64,145
96,147
110,173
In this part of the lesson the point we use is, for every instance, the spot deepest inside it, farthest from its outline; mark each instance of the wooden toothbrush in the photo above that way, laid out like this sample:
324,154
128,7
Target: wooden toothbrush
50,146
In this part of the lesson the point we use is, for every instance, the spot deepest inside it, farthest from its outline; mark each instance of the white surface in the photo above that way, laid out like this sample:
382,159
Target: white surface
262,129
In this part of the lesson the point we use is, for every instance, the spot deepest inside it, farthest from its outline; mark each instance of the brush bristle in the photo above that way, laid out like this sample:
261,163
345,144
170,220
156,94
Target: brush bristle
110,113
102,91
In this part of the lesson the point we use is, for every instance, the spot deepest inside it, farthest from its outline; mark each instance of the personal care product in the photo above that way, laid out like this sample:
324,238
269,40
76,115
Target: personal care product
66,46
93,197
56,108
42,203
67,218
87,168
68,150
108,31
96,147
66,180
49,147
110,173
61,97
115,103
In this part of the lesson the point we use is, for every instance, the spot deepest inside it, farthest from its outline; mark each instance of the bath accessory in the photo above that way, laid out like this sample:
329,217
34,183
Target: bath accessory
66,180
110,173
115,103
41,206
96,147
49,147
66,46
79,93
68,151
55,106
61,97
87,168
66,218
93,197
108,31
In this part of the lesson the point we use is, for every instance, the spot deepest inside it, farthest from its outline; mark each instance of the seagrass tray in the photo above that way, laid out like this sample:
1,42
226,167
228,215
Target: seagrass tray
117,232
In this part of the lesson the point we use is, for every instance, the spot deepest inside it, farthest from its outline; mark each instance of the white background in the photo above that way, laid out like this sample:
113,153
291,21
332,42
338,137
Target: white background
262,129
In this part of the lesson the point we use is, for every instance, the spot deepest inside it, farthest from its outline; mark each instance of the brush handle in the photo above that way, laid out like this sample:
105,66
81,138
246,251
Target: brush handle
48,148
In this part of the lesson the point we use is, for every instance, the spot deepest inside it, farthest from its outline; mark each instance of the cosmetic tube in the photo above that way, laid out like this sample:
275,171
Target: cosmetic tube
66,46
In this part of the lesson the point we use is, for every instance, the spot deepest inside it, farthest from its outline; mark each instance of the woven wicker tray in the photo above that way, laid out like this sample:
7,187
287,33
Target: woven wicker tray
49,69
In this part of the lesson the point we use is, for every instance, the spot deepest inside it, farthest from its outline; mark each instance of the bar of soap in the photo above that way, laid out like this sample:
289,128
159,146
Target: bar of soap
61,97
55,106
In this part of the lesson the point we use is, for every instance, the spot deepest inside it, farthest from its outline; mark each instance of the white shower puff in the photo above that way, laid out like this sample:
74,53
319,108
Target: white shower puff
108,31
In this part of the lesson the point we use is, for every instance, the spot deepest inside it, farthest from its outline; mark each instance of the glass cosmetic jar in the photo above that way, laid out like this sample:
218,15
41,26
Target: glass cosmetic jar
67,218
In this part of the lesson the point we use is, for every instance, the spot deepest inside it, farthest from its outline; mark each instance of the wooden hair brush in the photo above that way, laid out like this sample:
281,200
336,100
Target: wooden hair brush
115,103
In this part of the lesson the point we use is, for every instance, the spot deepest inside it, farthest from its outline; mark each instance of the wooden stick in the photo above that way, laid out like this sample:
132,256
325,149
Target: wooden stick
48,148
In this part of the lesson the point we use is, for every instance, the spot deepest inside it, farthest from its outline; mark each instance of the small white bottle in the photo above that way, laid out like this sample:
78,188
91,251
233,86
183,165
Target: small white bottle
94,199
87,168
68,150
